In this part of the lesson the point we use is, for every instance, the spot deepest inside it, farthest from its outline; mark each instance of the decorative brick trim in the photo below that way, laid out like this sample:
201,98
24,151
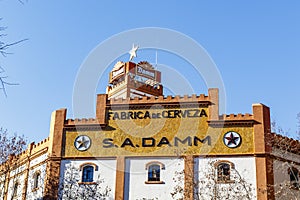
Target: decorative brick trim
88,164
154,182
160,100
224,161
87,183
162,166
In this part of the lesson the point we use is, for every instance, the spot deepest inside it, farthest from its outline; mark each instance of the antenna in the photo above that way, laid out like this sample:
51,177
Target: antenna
156,59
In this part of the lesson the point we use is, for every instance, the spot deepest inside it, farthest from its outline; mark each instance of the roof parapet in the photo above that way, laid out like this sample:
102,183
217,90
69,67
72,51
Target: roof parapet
160,99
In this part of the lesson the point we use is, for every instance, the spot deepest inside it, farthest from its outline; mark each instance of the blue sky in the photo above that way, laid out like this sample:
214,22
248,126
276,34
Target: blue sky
255,45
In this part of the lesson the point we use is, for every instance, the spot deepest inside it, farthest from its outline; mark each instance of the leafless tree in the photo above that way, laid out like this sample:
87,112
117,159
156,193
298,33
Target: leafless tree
4,51
71,188
209,187
276,128
10,145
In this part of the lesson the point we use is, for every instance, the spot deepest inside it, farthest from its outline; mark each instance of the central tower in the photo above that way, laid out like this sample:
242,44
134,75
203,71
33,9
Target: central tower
134,80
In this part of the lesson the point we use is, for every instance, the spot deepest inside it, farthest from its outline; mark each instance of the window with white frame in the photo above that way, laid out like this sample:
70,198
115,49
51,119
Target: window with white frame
88,170
154,172
36,180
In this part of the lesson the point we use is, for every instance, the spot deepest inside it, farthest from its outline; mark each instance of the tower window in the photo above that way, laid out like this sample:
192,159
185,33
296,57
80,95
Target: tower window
294,178
87,174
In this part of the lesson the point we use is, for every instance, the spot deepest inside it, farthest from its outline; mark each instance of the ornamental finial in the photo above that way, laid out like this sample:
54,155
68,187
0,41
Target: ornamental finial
132,52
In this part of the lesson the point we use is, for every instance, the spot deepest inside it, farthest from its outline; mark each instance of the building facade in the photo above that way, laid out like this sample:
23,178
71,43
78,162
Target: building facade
143,145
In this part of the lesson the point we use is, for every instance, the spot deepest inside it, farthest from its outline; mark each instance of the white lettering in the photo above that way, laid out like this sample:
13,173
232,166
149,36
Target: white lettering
118,72
141,70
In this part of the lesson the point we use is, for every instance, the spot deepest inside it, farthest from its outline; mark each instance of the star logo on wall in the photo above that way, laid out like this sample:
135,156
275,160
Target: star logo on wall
232,139
132,52
82,143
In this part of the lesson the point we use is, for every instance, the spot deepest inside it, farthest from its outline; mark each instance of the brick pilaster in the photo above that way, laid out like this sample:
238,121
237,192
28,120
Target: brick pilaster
101,108
213,94
120,178
262,148
54,152
189,177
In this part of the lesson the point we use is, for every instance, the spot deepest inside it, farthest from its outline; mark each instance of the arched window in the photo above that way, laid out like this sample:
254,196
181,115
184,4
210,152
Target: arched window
223,171
36,180
294,177
15,189
154,172
87,174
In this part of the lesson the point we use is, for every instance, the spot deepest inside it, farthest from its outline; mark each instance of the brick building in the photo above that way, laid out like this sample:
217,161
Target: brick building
143,145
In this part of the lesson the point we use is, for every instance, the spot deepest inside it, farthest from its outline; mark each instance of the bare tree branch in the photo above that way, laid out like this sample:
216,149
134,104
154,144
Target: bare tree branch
4,52
22,2
3,82
71,188
4,47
